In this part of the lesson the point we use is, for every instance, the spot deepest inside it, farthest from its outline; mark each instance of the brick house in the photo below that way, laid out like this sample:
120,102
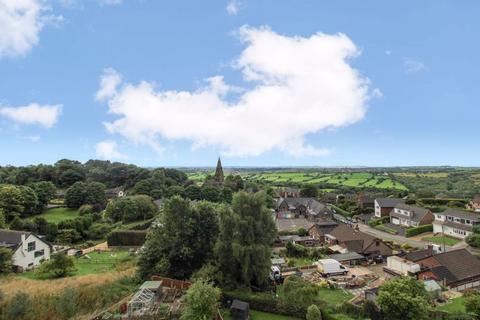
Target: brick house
410,216
383,206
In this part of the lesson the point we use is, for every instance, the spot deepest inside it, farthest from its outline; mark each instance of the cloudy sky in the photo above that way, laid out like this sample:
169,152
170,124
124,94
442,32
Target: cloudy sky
261,83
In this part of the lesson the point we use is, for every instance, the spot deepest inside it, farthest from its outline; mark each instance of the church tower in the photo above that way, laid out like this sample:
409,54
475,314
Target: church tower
219,173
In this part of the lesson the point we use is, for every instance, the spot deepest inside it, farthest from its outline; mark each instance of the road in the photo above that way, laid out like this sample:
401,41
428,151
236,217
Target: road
392,237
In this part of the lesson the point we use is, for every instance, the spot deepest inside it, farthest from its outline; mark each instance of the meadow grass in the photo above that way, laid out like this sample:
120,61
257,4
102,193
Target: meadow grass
57,215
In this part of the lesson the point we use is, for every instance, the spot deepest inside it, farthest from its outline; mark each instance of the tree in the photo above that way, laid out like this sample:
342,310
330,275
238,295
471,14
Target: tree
58,266
193,192
183,240
95,194
472,304
76,194
211,193
45,191
403,298
298,294
313,313
11,201
309,191
201,301
5,260
234,182
3,223
247,232
30,200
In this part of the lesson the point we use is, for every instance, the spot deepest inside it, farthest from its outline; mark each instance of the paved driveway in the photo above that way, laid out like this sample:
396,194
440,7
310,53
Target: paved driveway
293,224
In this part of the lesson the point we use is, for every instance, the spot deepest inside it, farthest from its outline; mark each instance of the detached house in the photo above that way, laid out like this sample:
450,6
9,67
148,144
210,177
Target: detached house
301,207
383,206
348,239
474,205
28,250
457,269
289,192
410,216
455,223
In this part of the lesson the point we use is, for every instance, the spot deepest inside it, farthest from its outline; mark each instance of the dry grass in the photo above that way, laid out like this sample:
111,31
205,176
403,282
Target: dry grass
11,285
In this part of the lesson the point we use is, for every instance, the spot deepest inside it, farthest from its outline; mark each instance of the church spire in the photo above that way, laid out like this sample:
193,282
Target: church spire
219,172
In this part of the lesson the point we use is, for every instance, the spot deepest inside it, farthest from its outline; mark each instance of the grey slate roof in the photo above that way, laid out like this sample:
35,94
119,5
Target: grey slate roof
389,202
461,214
418,212
460,263
312,204
11,238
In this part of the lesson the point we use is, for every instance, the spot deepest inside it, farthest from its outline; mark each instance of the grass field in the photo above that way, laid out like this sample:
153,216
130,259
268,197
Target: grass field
456,306
350,179
99,262
259,315
301,262
335,296
440,240
56,215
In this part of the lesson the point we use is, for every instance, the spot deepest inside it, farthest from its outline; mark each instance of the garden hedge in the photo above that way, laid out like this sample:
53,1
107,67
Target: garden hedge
127,238
410,232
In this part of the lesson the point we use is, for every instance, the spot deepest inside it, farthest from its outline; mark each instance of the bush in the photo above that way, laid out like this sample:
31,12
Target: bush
127,238
473,240
313,313
410,232
20,307
85,209
66,303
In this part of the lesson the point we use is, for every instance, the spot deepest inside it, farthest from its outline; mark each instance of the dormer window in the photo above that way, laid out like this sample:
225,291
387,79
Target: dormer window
31,246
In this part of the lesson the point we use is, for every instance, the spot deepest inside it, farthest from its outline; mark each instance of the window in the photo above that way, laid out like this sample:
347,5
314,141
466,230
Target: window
39,253
31,246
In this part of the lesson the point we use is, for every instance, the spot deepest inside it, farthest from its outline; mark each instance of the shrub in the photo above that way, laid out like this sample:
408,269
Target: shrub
66,303
410,232
127,238
473,240
313,313
59,266
19,307
85,209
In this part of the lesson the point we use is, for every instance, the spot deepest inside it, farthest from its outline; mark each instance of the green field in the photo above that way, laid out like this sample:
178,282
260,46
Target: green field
441,240
58,214
335,296
98,262
456,306
259,315
351,179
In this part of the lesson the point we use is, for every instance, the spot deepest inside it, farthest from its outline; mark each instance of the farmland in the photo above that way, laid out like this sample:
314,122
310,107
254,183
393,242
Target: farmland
326,180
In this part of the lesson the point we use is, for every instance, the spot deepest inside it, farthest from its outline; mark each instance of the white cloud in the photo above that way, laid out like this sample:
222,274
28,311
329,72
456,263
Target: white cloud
33,138
413,66
20,24
299,86
43,115
109,82
110,2
108,150
233,7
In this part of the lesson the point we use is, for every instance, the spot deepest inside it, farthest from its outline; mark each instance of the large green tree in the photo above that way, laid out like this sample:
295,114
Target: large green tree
11,201
247,231
182,241
5,260
403,298
201,301
45,191
309,191
472,304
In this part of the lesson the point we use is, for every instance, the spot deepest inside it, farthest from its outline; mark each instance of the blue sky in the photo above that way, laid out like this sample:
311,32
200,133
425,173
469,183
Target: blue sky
399,87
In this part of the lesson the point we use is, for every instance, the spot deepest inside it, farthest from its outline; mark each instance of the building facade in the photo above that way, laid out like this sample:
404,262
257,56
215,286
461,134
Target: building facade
455,223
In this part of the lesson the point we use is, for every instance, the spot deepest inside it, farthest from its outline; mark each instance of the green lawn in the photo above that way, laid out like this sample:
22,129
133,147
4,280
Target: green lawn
301,262
99,262
440,240
456,306
56,215
334,296
259,315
